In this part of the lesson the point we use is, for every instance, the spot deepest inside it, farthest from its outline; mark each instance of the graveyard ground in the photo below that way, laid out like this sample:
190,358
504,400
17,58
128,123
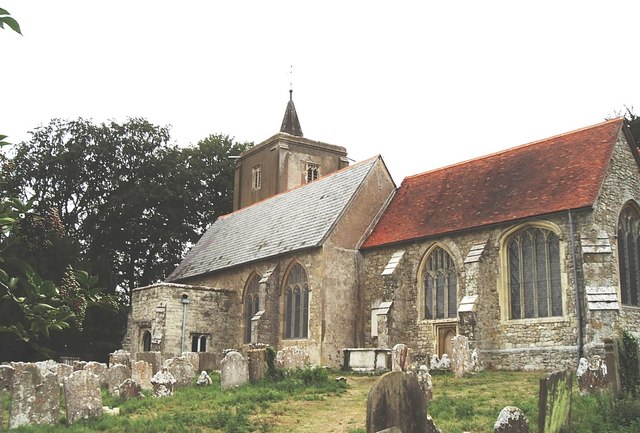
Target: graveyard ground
312,402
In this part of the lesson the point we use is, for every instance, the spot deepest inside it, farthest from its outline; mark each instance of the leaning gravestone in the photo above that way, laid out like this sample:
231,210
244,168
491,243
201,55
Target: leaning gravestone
399,357
35,398
234,370
511,420
116,374
182,371
82,396
163,382
554,401
396,400
141,372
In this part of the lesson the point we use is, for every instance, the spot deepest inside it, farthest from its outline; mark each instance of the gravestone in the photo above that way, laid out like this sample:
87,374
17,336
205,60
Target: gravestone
511,420
257,364
461,363
234,370
424,379
35,398
208,361
292,357
99,369
116,374
204,379
163,382
120,357
193,358
399,357
142,372
129,389
78,365
182,371
62,371
554,401
153,358
592,375
396,400
6,378
82,396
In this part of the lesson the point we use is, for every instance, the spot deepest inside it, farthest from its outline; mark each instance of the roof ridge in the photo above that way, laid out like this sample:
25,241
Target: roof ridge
327,176
514,148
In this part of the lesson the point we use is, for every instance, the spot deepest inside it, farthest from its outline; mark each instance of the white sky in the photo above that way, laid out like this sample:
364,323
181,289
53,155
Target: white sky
423,83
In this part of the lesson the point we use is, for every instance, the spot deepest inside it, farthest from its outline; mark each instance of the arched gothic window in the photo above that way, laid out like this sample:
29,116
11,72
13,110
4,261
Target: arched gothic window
533,257
629,254
146,341
251,305
440,286
296,292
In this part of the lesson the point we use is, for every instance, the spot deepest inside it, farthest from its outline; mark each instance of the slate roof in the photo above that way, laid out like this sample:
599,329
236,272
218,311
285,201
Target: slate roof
298,219
556,174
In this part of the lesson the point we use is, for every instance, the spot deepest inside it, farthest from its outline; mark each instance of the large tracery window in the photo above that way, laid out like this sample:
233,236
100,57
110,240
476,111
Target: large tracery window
296,292
629,255
440,286
251,305
534,274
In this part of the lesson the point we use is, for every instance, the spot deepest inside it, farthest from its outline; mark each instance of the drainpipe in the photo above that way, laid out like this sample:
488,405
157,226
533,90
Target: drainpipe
575,278
185,302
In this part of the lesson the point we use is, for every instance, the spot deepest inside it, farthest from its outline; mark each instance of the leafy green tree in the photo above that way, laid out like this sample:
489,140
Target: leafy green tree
5,18
132,200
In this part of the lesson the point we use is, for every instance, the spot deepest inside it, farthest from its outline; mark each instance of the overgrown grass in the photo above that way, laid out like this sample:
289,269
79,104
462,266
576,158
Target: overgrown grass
603,413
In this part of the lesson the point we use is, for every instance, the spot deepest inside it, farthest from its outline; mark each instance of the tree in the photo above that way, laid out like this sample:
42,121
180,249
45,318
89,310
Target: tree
132,201
5,18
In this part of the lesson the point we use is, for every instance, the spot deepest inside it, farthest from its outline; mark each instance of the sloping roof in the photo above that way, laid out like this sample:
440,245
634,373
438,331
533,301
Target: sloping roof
291,221
556,174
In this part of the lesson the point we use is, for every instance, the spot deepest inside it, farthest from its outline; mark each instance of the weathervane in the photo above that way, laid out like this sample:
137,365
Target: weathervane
291,83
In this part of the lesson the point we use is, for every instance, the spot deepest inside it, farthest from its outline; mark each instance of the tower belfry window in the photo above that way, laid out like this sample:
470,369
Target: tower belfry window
256,177
313,171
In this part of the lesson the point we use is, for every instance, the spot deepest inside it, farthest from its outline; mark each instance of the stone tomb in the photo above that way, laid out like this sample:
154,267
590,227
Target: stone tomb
82,396
234,370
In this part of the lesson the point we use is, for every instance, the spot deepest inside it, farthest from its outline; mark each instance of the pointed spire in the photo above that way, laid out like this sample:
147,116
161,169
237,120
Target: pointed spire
290,122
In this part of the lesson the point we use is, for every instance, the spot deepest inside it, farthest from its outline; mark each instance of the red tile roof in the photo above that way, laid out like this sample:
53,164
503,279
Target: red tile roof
556,174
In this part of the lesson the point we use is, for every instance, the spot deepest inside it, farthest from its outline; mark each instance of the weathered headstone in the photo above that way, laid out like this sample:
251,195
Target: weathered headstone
257,364
592,375
554,401
129,389
82,396
153,358
234,370
208,361
142,372
396,400
204,379
511,420
163,382
424,379
460,356
78,365
182,371
120,357
35,398
47,366
99,369
292,357
6,378
116,374
193,358
62,371
399,357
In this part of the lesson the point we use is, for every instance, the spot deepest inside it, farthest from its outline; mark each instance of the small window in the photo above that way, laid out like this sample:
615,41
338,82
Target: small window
198,343
313,172
146,341
256,177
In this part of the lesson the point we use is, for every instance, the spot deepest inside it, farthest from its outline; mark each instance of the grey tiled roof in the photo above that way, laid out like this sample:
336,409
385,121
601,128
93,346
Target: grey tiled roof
291,221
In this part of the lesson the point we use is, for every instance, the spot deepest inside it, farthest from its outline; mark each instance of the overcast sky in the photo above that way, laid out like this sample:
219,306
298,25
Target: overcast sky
423,83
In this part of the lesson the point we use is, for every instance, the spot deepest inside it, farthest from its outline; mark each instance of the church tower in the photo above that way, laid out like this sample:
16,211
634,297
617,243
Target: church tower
282,162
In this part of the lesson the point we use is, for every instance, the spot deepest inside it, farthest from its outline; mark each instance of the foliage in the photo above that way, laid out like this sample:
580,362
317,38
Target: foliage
5,18
604,413
629,359
132,201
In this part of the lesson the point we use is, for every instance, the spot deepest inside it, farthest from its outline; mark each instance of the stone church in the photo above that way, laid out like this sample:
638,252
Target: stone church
533,253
